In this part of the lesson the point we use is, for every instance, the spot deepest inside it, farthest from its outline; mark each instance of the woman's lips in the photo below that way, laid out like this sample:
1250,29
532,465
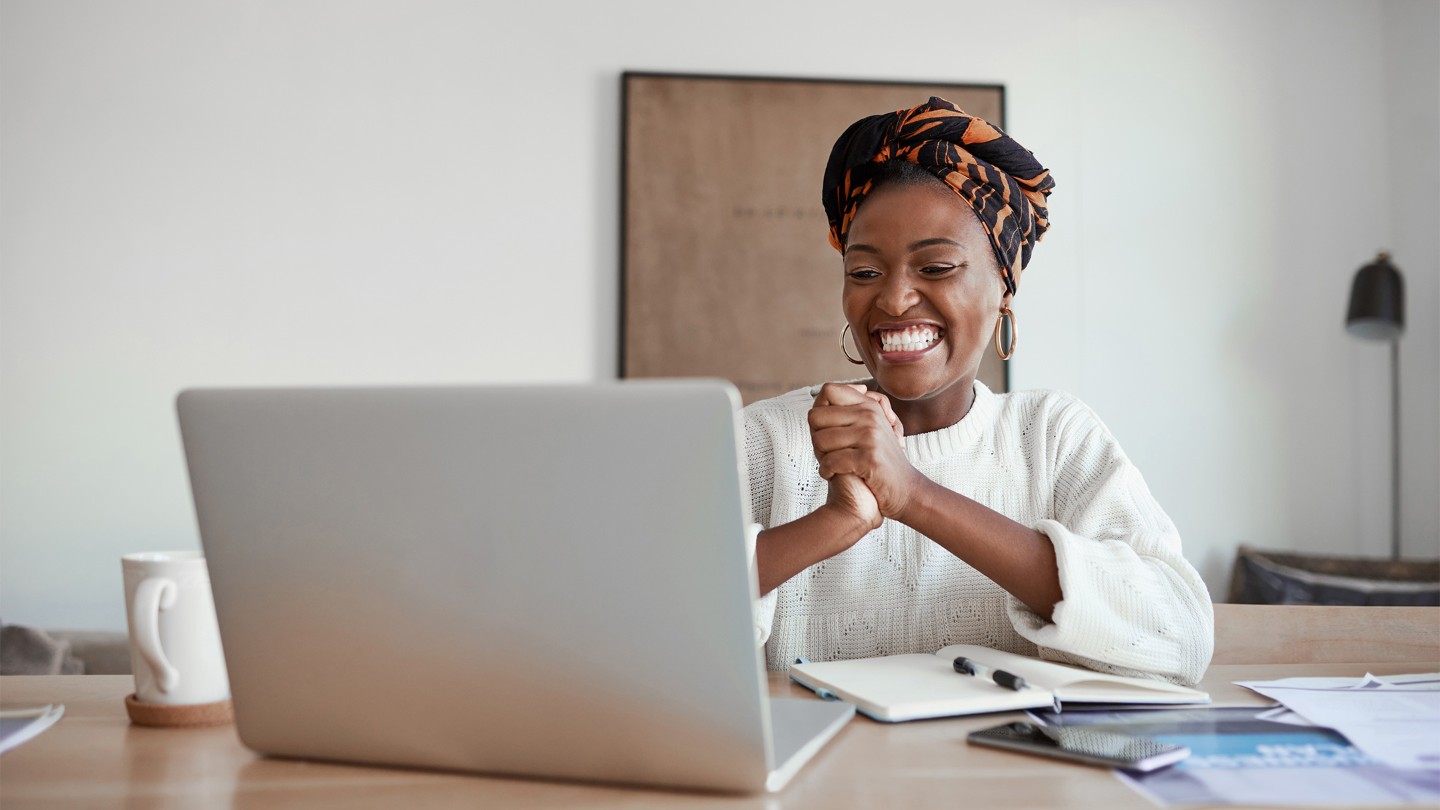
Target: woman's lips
902,343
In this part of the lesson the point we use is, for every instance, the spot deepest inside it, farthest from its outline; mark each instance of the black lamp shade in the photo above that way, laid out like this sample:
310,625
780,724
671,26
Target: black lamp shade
1377,302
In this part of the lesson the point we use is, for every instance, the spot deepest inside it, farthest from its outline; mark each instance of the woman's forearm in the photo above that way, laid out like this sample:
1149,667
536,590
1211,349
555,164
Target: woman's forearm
786,550
1013,555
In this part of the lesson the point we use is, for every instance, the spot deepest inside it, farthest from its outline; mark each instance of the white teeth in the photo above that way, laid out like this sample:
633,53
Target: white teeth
911,339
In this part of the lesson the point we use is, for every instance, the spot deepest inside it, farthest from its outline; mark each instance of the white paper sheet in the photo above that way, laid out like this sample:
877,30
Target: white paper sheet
19,725
1365,785
1255,756
1395,719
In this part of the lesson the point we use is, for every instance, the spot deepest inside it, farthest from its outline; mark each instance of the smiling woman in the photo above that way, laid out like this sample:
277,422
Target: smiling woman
917,509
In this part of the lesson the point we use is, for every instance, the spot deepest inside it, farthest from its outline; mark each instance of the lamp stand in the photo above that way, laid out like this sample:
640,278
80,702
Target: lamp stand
1395,449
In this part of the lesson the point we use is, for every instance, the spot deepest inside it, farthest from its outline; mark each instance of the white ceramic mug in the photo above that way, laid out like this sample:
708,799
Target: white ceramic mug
174,638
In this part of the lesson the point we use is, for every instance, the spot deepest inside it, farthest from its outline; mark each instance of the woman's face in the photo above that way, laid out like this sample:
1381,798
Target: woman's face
922,291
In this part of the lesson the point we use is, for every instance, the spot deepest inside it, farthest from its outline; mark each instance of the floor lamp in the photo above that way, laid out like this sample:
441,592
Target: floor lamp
1377,312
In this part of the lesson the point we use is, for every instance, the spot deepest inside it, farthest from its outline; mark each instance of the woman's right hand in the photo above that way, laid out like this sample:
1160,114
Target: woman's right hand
848,493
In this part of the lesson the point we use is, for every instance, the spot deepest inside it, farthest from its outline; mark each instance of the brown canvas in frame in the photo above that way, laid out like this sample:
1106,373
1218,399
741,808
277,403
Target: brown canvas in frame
726,268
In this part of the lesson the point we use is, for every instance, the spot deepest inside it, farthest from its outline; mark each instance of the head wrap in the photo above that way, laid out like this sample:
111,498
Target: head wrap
992,173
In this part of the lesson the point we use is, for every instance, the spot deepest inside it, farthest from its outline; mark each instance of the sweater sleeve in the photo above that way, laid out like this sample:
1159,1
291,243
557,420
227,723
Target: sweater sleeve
1131,604
758,467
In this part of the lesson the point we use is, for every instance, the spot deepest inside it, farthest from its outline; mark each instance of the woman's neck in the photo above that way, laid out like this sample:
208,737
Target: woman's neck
937,411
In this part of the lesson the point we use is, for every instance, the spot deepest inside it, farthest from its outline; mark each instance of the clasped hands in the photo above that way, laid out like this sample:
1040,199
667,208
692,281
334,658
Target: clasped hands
860,444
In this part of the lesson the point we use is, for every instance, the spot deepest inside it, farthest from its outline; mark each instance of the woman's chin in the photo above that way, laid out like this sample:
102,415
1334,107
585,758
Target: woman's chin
903,384
913,382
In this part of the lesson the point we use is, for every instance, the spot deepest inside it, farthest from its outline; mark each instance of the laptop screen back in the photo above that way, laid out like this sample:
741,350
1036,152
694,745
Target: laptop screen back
543,580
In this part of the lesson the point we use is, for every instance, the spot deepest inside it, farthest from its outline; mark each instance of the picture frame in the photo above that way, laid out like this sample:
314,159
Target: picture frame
726,268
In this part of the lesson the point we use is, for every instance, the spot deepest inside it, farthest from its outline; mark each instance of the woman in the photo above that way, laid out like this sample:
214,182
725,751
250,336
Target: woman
918,509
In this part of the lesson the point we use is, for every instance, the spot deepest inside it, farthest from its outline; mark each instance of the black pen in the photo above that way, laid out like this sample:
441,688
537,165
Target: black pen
999,677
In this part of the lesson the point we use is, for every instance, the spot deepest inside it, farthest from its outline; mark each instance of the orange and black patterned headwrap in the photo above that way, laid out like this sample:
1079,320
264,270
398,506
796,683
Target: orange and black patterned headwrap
996,176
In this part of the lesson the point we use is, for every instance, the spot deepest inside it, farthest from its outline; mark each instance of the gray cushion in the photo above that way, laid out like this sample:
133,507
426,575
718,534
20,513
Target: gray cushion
27,651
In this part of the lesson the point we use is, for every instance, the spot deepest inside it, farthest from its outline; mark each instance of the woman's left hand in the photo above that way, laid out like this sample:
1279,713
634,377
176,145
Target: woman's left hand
856,432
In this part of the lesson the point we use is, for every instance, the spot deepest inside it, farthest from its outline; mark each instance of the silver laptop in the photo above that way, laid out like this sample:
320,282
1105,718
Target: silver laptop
546,581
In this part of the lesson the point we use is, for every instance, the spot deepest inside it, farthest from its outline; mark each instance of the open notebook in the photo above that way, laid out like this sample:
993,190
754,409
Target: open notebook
894,688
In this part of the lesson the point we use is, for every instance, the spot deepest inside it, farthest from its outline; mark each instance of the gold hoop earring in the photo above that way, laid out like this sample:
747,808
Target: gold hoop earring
1014,333
846,351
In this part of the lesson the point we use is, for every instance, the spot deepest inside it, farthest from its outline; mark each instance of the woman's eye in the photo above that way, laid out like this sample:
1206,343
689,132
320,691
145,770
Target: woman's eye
937,269
863,273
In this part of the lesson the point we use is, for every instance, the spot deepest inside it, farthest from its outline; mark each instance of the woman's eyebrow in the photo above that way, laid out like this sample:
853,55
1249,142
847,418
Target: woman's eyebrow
914,246
938,240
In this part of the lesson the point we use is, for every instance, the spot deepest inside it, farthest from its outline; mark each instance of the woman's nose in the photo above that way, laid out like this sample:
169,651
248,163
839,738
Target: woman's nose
898,295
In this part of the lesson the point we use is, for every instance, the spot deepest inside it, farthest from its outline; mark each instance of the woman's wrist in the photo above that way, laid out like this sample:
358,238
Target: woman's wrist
919,495
845,526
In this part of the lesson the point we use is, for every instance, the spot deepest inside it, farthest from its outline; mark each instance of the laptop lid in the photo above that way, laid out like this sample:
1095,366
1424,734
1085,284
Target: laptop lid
536,580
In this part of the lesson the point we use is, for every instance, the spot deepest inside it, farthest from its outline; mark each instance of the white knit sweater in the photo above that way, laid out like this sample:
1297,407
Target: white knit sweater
1131,603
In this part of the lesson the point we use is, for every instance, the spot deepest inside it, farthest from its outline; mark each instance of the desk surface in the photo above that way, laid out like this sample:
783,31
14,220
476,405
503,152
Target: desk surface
94,757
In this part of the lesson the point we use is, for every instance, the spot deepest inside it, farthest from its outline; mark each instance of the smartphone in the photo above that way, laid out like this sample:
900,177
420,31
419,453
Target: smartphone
1083,744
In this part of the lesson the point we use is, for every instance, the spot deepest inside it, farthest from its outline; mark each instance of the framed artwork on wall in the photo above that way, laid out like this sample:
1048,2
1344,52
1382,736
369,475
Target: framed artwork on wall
726,270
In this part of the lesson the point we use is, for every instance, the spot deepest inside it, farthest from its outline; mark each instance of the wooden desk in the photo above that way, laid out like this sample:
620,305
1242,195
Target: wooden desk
94,758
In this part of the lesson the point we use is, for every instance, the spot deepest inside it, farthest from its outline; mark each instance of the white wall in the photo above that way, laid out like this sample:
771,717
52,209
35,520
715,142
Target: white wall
362,191
1412,86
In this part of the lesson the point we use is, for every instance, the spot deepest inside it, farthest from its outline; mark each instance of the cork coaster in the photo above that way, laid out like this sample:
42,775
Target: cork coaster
161,715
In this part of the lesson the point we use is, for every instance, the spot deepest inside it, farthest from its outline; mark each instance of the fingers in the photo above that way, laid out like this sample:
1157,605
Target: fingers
840,394
848,426
847,394
828,440
889,414
850,461
862,410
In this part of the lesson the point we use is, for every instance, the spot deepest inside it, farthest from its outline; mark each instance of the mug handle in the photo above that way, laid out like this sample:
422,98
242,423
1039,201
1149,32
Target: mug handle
154,595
